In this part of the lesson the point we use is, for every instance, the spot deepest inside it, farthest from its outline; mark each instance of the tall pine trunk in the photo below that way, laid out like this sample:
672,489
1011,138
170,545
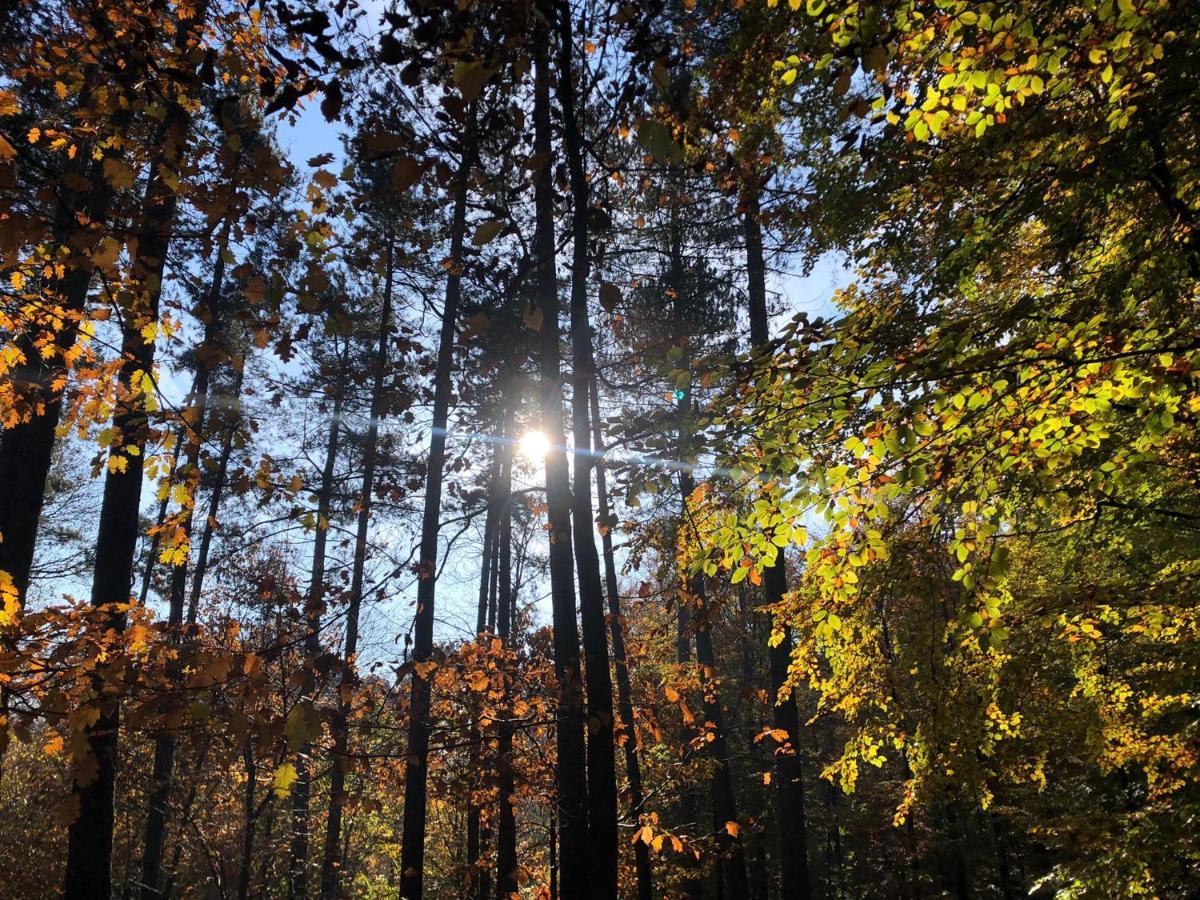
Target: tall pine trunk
506,819
195,424
416,768
220,478
633,769
331,858
89,841
788,778
314,607
575,849
601,754
732,863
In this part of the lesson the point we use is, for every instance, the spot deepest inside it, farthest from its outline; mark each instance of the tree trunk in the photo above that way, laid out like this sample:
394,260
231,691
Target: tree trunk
89,843
633,769
214,503
724,804
249,820
194,421
571,773
27,448
601,761
412,850
788,778
331,861
506,824
313,608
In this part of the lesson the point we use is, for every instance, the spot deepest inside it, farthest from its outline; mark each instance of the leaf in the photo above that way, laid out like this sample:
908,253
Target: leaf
117,174
405,173
303,726
285,776
487,232
470,78
658,141
610,296
256,289
10,600
476,324
732,828
377,145
532,316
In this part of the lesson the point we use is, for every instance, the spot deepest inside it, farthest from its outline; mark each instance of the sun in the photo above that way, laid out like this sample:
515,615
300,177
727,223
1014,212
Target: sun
534,445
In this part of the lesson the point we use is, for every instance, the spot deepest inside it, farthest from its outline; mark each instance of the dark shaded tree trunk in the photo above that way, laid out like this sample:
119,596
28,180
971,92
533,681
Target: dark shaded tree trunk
27,448
416,771
601,748
249,821
506,819
571,775
89,841
724,805
195,423
788,780
331,858
314,607
633,769
214,502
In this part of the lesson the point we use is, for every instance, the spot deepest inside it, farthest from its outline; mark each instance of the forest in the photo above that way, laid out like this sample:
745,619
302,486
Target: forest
650,449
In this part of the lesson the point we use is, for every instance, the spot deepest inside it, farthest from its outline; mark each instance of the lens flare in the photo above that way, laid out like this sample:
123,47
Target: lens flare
534,445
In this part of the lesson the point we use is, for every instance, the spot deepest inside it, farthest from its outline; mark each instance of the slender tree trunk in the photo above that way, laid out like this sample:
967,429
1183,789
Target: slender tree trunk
633,769
214,503
412,849
724,804
89,843
314,607
331,860
475,886
506,820
553,848
601,755
571,773
159,519
788,778
249,820
689,807
195,423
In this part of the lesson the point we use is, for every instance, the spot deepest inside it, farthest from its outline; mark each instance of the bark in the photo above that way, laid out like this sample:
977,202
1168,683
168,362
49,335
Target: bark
89,841
331,859
412,850
575,849
313,608
601,755
506,820
633,769
195,423
27,448
476,887
214,504
249,821
724,804
788,780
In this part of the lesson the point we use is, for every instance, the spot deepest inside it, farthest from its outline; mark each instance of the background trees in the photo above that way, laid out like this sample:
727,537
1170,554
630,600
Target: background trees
877,591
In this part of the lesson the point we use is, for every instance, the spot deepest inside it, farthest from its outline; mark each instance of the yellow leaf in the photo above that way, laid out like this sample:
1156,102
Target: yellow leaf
285,776
117,174
732,828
